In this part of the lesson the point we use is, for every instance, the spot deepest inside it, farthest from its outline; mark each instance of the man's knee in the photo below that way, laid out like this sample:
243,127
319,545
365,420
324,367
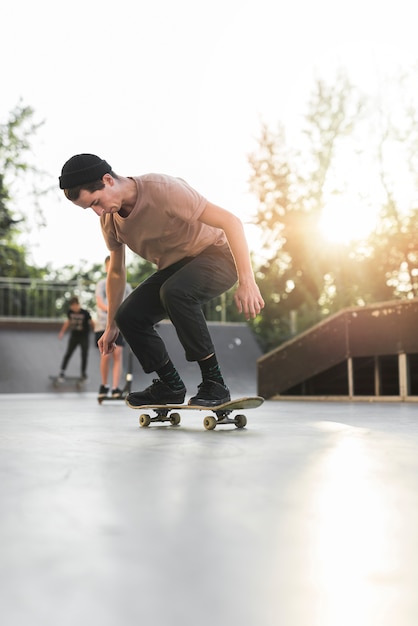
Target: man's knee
130,315
170,292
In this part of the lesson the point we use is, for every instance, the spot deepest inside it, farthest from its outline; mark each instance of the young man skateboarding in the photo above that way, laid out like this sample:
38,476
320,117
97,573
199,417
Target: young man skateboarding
200,252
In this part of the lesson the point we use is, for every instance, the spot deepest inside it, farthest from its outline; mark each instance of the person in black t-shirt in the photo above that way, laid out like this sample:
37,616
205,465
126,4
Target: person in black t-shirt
80,324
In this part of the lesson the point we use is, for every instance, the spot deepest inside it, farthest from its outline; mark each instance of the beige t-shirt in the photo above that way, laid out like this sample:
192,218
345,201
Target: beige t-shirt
163,227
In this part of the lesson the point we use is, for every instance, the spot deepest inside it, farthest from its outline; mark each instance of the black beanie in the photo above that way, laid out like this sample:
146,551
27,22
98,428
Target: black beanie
81,169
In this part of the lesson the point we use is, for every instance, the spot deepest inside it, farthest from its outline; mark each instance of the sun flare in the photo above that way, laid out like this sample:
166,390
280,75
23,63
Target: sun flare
344,221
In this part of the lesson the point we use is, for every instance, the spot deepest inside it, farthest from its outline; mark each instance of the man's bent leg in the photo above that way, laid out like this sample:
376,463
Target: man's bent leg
136,319
205,277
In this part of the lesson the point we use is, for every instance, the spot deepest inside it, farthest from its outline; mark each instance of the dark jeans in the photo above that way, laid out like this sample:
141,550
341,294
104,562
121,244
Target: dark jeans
177,292
77,339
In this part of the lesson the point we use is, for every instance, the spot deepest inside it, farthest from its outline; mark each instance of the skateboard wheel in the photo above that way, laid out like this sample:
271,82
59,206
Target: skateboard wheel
175,419
240,421
144,420
209,422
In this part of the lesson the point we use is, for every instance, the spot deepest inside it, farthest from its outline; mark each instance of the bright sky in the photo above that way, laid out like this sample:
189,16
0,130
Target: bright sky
178,87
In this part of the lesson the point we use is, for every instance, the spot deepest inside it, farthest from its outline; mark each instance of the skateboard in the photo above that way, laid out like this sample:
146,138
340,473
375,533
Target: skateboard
68,381
127,388
169,412
111,399
125,391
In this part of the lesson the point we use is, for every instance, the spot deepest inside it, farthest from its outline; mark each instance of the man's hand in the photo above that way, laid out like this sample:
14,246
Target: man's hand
248,300
107,341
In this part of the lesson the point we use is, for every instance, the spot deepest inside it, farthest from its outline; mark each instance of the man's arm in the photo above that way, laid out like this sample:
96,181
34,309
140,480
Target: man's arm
247,295
115,290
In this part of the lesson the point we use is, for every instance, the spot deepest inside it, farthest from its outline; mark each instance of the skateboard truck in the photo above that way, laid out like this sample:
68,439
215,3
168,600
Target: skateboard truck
162,415
210,422
222,417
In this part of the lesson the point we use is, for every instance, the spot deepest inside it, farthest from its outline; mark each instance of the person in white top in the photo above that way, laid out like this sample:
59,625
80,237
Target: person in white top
113,360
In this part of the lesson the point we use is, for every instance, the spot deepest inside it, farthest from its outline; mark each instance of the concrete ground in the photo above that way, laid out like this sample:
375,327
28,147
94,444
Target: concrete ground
308,517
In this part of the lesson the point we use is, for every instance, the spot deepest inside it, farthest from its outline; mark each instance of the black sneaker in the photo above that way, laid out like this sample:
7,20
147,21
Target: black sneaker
103,391
116,392
157,393
210,393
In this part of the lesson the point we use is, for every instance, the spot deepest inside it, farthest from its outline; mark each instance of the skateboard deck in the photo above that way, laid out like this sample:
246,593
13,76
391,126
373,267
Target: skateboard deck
125,392
109,398
127,388
169,412
68,381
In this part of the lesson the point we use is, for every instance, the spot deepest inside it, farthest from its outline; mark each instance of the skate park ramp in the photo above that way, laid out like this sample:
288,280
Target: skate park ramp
31,352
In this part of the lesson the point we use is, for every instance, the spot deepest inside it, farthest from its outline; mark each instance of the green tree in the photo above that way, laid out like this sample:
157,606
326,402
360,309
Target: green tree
394,242
15,136
300,274
290,188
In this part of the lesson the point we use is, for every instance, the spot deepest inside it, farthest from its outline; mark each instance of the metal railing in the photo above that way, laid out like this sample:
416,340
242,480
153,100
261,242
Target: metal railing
37,298
48,299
